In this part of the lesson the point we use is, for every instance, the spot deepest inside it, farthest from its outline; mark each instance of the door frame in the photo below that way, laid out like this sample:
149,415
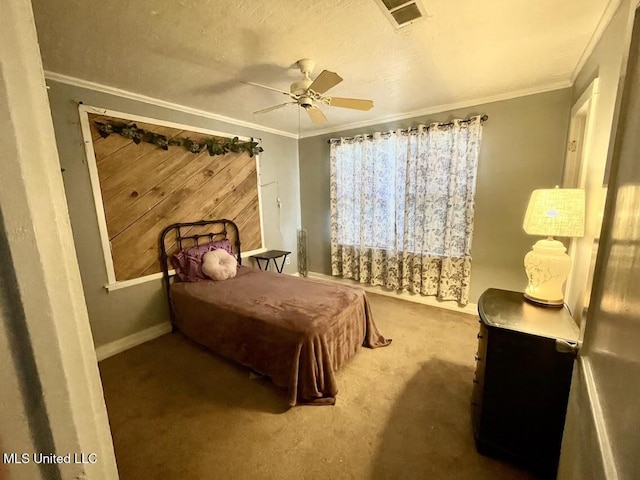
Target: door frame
579,144
576,167
53,356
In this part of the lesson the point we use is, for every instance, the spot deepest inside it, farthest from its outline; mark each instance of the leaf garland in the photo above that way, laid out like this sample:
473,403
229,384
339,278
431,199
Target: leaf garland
212,145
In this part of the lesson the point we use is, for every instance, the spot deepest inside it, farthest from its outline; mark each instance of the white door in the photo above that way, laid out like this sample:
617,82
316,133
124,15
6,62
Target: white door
602,430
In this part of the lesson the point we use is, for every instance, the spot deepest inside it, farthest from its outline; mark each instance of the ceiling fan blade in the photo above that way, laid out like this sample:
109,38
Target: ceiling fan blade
355,103
325,81
269,88
316,115
275,107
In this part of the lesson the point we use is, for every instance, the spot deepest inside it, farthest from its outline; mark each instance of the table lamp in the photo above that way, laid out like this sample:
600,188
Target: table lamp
551,212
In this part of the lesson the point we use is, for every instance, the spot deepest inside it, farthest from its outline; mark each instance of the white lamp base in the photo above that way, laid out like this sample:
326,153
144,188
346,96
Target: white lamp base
547,267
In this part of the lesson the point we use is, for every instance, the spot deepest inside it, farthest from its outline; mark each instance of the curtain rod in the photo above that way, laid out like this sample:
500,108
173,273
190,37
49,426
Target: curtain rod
483,118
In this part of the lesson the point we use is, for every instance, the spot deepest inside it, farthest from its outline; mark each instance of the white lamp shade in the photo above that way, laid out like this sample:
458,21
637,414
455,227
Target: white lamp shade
551,212
555,212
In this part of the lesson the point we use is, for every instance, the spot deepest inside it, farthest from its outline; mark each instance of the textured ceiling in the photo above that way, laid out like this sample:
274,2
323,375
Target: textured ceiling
196,52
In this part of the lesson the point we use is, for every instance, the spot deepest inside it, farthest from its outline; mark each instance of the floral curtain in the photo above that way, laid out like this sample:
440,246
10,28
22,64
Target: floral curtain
402,208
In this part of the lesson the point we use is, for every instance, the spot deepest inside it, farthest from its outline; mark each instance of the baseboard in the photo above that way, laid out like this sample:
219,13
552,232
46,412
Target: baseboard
113,348
470,308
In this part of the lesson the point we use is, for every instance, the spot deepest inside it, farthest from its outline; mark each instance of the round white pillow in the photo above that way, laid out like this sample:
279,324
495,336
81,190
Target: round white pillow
219,265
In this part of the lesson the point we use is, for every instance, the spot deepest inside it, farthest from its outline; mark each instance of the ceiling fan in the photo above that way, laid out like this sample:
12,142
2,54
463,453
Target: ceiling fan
309,94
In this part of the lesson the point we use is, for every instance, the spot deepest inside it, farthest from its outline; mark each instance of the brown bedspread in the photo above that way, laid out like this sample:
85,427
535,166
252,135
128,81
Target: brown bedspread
296,331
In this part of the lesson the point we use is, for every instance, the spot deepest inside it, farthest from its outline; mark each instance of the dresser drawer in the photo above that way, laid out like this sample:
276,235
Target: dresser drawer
478,378
481,355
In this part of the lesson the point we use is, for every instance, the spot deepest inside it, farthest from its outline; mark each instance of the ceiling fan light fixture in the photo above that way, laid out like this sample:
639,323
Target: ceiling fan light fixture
308,93
305,101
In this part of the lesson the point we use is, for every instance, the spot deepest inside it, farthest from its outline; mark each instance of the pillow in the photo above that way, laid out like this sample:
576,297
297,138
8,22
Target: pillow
188,262
219,265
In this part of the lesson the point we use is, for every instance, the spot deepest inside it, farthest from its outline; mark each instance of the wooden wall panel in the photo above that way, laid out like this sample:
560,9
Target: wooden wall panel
145,188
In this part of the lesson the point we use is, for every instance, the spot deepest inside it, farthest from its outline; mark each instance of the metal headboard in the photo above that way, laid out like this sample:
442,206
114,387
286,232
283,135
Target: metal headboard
194,239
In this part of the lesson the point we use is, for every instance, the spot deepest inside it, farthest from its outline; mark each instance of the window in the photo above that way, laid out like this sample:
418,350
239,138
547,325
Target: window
393,191
402,202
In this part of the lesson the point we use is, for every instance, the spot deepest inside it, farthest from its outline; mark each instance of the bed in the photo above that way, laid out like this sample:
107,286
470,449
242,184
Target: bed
296,331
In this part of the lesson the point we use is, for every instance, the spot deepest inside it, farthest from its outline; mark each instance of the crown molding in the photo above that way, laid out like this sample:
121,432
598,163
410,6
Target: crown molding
443,108
606,17
78,82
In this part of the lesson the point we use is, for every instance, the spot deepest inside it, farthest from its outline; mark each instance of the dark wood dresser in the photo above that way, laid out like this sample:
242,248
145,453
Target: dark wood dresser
523,374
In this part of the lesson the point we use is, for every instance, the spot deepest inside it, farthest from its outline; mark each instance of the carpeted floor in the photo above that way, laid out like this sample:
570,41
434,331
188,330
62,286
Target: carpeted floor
402,412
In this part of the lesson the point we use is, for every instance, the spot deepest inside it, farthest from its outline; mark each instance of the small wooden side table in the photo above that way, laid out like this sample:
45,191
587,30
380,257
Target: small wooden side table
271,255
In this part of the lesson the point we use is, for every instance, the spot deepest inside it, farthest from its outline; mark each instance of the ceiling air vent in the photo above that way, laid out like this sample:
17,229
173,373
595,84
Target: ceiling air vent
402,13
